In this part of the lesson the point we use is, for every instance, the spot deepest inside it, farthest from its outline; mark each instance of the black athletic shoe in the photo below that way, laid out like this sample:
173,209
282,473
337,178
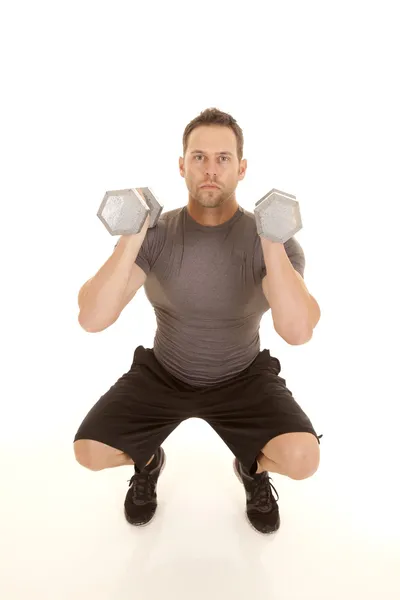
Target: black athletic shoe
261,507
141,498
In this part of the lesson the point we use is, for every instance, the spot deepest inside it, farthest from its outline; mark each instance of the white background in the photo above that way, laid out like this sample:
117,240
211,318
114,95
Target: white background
95,96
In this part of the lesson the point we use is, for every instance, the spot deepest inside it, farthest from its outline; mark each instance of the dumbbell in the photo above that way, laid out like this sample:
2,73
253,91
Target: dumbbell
278,216
123,212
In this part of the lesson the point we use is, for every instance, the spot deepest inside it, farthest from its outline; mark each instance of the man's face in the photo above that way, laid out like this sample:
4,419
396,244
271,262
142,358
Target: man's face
211,158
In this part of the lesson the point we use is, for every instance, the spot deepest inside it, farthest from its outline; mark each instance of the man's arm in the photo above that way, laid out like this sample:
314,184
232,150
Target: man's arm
103,297
295,312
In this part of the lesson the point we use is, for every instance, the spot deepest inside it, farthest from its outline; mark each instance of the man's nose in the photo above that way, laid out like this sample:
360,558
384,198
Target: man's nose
211,169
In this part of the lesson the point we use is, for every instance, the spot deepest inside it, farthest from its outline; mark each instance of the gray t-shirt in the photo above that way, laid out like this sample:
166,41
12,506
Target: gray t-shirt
205,285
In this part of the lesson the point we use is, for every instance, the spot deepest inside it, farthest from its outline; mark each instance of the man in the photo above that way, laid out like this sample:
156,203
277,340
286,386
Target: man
210,278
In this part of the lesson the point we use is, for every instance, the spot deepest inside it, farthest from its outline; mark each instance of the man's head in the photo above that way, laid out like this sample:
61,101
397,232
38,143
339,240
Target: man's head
212,154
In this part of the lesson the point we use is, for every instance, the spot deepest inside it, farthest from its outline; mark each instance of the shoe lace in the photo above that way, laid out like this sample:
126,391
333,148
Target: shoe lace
261,492
143,488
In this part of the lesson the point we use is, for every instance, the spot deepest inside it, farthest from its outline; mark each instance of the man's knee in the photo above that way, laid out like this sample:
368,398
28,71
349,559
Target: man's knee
297,454
87,454
303,464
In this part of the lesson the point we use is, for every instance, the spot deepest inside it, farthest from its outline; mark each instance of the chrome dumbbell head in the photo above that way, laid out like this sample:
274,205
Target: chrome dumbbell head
278,216
123,212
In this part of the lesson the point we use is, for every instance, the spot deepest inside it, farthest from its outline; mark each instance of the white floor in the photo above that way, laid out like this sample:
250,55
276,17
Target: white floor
64,535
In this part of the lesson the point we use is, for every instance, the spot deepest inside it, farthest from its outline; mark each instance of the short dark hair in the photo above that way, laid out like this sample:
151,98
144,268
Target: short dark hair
214,116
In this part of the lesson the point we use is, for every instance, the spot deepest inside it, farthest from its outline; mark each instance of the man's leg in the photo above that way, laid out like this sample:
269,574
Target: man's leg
296,455
97,456
266,464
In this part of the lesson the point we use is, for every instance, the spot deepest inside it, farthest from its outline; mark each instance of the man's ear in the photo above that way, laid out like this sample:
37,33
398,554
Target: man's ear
181,166
242,168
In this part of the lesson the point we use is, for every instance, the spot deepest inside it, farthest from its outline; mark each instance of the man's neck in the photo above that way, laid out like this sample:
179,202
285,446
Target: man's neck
212,216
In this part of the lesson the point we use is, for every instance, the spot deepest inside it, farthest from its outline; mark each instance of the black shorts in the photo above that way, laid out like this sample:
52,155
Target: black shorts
147,403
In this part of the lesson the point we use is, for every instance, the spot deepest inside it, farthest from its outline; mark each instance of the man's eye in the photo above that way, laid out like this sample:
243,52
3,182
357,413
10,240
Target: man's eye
222,157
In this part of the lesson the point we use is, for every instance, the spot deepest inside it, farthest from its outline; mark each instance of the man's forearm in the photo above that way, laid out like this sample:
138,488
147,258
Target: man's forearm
294,311
101,298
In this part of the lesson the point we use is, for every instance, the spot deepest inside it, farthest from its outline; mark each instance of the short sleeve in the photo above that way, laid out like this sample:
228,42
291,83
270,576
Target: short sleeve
146,256
296,255
144,259
294,252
